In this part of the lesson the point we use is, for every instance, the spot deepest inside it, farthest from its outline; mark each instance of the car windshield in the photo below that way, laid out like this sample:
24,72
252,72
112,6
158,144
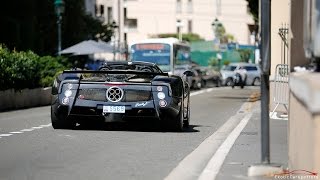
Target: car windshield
157,53
229,68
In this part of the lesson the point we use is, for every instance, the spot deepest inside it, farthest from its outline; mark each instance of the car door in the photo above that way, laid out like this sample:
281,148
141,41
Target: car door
252,73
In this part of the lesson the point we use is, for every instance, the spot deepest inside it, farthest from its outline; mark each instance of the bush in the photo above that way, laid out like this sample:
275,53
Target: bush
19,70
49,67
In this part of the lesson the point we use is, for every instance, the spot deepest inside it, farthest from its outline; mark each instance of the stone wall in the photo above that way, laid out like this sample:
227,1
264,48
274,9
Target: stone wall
11,99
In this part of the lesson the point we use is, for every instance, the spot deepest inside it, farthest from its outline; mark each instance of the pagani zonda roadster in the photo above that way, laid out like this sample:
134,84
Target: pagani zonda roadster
120,91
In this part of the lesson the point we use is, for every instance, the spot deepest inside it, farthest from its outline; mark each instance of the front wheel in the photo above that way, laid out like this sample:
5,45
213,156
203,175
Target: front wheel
256,81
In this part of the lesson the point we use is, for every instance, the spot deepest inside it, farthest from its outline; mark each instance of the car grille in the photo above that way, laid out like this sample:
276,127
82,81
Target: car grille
136,95
93,94
100,95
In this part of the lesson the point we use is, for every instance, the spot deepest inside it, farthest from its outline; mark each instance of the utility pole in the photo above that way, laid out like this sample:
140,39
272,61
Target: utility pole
265,89
119,28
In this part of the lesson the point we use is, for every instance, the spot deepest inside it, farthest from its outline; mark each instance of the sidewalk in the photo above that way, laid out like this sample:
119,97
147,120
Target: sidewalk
246,151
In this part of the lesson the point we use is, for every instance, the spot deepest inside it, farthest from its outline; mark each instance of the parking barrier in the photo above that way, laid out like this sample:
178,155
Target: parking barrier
281,89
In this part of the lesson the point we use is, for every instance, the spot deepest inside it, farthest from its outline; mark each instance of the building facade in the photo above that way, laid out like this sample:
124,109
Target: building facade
141,19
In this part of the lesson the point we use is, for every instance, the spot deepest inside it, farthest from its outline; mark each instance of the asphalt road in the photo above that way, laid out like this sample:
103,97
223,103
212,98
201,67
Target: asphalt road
30,149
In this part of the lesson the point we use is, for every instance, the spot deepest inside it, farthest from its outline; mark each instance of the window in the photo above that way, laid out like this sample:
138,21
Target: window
132,23
190,6
124,14
96,10
178,6
251,68
110,17
189,26
101,10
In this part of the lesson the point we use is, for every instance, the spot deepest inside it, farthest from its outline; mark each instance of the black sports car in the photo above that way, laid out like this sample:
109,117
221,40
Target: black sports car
120,91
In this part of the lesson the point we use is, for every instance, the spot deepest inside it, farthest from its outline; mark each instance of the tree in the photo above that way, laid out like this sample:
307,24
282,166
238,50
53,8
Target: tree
253,6
185,37
31,25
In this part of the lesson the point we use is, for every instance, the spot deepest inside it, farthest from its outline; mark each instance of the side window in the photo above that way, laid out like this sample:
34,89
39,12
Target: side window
251,68
181,55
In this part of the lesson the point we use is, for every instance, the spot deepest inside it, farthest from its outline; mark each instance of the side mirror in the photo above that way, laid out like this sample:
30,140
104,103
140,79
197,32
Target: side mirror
188,73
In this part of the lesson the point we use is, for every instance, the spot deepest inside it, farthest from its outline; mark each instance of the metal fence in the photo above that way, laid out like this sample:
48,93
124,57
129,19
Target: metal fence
281,89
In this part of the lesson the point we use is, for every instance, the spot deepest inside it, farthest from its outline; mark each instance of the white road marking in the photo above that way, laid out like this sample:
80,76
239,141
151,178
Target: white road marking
214,165
194,164
37,127
5,135
25,130
16,132
201,91
47,125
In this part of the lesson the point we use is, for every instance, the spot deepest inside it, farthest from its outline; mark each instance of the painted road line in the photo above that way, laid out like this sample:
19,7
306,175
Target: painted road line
197,160
201,91
26,130
214,165
16,132
47,125
5,135
37,127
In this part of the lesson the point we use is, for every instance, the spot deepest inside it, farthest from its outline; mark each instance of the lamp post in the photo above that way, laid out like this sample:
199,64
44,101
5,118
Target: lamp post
215,25
179,25
216,40
59,8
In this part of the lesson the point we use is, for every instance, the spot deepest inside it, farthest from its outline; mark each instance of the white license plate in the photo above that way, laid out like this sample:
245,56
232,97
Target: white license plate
114,109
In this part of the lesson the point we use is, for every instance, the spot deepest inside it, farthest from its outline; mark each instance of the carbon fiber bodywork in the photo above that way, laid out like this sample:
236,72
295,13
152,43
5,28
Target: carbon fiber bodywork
120,91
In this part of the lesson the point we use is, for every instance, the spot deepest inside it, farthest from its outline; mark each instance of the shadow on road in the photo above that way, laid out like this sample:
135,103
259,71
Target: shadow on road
137,126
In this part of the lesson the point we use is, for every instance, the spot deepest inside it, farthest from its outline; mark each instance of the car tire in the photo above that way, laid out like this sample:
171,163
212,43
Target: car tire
186,121
229,82
218,84
61,123
256,81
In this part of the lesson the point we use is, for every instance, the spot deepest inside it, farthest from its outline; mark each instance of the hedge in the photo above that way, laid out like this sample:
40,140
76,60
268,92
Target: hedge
20,70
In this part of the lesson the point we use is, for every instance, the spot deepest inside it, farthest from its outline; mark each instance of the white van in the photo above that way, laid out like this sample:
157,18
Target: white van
253,73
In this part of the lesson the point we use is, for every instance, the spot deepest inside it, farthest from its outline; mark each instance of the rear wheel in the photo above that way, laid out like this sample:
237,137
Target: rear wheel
61,122
174,123
186,120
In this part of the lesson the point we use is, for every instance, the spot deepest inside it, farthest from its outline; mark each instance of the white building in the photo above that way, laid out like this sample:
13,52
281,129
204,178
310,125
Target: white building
140,19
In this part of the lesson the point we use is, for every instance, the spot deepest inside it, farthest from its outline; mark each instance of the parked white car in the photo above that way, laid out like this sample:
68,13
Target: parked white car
253,73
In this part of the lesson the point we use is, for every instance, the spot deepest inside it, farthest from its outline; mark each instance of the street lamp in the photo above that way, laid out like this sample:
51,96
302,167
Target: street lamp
179,25
216,23
59,8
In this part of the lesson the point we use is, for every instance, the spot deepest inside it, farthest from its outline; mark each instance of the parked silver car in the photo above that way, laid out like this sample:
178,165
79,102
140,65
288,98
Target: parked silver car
253,73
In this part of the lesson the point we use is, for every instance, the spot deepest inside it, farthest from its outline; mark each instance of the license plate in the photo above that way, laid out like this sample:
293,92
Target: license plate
114,109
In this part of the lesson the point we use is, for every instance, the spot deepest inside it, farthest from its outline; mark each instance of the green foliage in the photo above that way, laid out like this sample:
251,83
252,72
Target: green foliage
19,70
190,37
49,67
226,62
213,61
245,54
